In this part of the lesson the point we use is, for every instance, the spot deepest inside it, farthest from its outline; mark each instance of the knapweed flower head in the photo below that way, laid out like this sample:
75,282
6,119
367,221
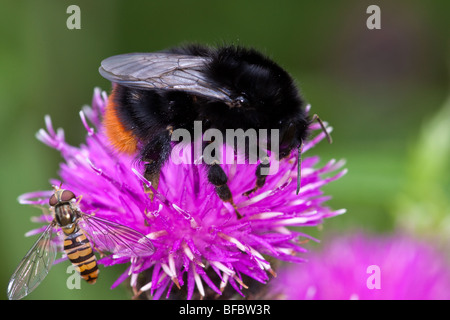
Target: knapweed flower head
368,267
201,245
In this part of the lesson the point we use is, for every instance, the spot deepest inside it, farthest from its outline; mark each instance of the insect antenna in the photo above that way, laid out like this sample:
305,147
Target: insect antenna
300,148
299,167
327,135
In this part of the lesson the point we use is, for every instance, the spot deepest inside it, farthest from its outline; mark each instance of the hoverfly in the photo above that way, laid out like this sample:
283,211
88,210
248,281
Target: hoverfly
82,233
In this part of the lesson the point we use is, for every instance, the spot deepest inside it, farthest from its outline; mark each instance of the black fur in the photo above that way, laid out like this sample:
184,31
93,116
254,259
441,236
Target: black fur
272,99
266,95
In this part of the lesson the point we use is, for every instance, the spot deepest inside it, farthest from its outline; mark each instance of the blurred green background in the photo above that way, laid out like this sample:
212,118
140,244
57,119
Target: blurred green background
384,92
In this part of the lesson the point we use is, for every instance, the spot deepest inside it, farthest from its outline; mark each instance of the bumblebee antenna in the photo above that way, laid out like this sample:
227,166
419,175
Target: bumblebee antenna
300,149
327,135
299,167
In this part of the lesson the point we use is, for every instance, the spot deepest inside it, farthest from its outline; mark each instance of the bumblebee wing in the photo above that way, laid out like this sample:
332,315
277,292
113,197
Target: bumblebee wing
169,71
120,240
34,266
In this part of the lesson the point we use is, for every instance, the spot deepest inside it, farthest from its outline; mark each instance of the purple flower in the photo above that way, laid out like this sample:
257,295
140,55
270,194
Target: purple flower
368,267
200,244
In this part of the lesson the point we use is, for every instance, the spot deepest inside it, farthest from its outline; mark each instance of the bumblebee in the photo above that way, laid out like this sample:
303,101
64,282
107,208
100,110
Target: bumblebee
82,233
229,87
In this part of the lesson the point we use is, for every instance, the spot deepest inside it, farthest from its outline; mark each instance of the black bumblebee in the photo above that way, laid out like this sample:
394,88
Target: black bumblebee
229,87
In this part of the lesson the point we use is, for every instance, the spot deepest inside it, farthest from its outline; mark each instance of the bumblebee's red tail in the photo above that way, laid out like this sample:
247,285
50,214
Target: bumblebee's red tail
121,139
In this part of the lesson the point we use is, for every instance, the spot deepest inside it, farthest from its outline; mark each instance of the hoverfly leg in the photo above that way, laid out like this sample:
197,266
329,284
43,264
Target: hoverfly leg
79,200
219,179
101,253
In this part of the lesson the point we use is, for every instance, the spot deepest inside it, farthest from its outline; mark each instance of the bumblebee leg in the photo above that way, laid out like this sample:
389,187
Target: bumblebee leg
219,179
156,153
152,173
264,166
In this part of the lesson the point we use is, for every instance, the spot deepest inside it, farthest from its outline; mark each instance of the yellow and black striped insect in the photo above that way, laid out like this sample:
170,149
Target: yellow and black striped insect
82,233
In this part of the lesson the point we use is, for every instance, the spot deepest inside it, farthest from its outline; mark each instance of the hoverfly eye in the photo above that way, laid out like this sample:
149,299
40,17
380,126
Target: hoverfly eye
53,201
67,195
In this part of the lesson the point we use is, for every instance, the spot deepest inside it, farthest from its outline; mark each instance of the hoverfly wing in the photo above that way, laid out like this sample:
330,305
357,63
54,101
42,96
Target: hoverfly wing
169,71
34,267
120,240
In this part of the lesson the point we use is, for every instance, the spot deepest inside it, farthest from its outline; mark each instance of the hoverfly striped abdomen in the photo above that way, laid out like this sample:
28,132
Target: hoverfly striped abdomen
79,251
77,227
